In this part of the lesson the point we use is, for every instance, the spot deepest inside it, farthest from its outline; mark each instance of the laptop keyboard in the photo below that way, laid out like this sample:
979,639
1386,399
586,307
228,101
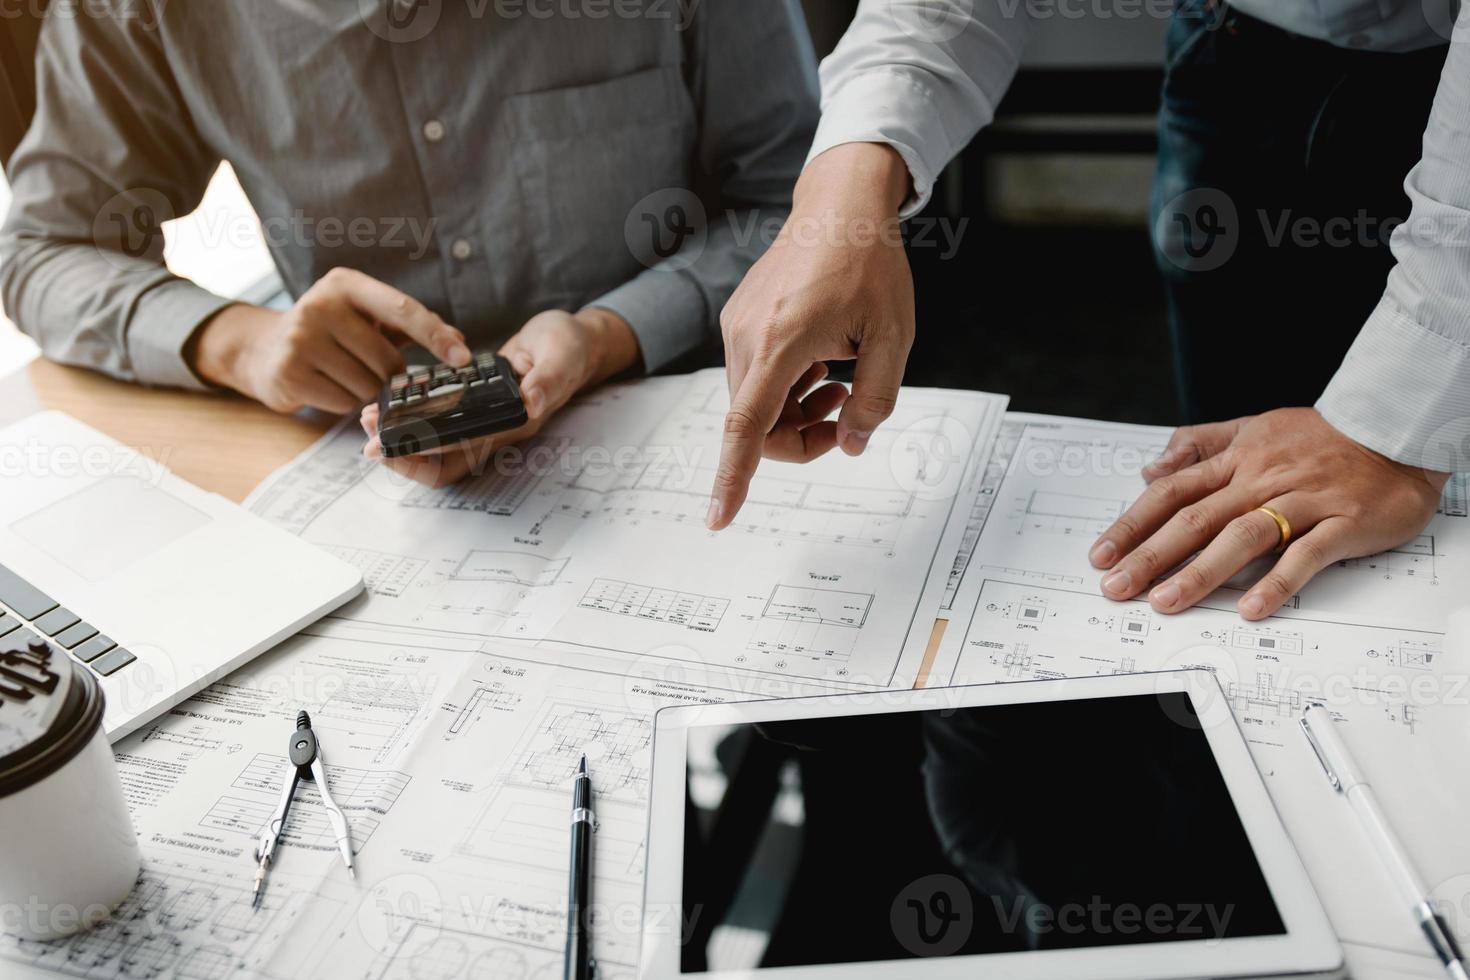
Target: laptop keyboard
27,614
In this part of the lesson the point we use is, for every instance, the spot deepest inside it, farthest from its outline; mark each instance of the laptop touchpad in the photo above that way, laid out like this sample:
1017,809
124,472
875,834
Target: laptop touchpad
107,526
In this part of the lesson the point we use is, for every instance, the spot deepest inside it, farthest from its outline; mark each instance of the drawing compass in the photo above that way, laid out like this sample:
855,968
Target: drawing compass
306,763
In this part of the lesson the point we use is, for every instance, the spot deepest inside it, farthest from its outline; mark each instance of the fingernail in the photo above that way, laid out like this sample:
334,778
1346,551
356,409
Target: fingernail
373,449
713,517
1252,605
1104,553
1117,583
459,355
1166,595
856,442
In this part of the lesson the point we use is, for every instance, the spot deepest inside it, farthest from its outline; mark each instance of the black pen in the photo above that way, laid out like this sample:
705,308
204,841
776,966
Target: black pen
580,965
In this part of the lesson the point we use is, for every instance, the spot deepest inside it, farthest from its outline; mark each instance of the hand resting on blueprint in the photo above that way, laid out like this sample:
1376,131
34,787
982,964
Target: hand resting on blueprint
557,354
1341,499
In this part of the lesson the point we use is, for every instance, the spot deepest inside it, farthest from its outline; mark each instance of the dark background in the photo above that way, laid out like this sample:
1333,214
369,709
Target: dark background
1065,314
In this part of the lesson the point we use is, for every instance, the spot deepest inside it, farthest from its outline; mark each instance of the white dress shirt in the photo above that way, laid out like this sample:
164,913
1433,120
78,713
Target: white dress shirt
923,76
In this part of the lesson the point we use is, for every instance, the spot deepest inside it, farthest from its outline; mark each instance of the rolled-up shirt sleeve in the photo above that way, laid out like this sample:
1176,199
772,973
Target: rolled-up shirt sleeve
753,80
110,155
922,76
1404,388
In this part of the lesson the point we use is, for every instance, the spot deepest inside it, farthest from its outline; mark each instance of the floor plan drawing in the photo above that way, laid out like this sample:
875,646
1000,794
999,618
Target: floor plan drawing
488,888
182,921
500,492
513,567
809,622
1071,513
1067,480
592,536
698,612
483,699
383,574
1456,502
986,477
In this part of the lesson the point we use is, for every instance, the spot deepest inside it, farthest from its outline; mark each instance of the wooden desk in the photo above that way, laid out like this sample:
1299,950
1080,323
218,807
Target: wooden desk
224,444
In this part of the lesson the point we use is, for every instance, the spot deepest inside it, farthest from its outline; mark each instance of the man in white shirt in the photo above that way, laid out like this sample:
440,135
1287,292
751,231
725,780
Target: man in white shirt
906,89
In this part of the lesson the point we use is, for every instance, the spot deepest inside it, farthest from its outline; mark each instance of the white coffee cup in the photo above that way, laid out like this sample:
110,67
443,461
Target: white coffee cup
68,852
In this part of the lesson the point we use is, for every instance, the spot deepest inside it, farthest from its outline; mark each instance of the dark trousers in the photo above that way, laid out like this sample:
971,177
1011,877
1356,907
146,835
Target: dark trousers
1280,177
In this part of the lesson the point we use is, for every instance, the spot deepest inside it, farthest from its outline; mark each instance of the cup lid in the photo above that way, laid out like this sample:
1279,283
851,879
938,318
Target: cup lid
49,710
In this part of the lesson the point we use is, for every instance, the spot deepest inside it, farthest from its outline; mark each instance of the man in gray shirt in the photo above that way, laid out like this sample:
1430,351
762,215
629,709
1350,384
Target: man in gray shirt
533,173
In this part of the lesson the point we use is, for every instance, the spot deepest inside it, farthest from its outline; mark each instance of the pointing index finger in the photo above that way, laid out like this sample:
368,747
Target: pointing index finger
754,412
399,311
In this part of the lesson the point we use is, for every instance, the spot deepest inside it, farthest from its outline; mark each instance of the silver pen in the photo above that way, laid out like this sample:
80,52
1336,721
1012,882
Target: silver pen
1347,780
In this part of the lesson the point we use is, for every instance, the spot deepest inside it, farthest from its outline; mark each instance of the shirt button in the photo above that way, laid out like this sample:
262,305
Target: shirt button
433,130
462,249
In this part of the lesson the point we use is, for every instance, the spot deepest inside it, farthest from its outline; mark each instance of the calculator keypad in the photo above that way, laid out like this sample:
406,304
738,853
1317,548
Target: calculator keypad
419,383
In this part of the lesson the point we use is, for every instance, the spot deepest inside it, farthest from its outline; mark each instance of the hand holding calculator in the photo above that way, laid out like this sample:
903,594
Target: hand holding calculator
427,408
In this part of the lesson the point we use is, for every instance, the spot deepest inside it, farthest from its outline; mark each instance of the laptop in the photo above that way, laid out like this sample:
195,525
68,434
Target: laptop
153,585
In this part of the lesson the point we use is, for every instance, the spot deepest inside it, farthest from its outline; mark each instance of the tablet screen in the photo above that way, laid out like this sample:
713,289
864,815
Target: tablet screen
1001,828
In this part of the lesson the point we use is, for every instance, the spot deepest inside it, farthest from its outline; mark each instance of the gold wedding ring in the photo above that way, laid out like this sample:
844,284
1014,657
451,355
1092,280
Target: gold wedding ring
1281,523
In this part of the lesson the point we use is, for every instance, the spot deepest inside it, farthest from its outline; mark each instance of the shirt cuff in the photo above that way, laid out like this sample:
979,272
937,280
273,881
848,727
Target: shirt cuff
666,310
162,322
1404,391
888,106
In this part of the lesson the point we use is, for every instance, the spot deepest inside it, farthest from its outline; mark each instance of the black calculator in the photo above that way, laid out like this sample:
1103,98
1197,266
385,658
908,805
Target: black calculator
428,407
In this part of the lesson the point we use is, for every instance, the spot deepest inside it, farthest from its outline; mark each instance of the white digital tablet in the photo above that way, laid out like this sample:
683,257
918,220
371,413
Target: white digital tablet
1110,827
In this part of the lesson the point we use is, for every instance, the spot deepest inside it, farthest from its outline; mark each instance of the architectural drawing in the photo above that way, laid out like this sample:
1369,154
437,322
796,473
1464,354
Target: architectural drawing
1067,480
697,612
592,537
513,567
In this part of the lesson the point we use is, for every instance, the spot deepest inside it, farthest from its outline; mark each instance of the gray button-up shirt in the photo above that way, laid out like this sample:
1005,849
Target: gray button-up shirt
493,158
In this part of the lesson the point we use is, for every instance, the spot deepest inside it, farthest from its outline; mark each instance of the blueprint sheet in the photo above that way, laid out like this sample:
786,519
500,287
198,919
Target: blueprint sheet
1365,638
510,624
452,762
592,537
